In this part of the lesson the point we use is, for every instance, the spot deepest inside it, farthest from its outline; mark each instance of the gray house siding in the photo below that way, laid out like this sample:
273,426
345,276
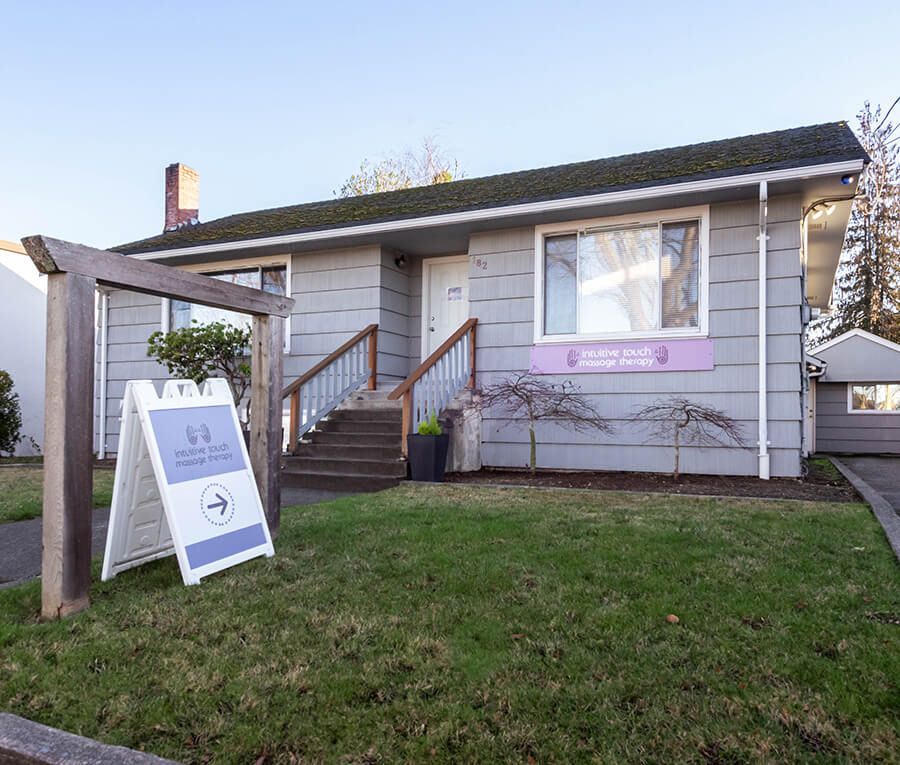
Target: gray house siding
838,431
337,293
858,359
502,298
340,291
133,317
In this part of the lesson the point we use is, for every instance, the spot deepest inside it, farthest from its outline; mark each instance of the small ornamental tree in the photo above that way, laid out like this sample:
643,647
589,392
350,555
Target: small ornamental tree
199,351
531,398
686,422
10,415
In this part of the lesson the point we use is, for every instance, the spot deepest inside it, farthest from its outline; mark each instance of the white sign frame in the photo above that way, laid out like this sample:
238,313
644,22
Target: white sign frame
153,515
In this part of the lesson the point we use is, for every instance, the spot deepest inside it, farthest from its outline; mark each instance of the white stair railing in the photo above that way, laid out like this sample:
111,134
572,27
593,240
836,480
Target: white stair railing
431,387
318,391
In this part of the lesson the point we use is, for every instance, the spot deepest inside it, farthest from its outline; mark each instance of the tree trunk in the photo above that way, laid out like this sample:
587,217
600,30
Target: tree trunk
533,461
676,474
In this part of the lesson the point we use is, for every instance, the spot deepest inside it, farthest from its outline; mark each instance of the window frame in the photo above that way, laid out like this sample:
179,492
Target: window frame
882,412
236,265
674,215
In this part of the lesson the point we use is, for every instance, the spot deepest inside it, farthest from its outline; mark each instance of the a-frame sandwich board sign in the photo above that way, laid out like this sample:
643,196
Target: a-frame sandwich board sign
183,483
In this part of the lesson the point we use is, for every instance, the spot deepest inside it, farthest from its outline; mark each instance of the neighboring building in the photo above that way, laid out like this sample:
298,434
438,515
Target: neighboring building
636,276
23,317
856,398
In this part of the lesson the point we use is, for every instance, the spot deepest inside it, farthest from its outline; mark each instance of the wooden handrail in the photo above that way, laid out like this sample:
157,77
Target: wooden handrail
371,330
419,371
293,391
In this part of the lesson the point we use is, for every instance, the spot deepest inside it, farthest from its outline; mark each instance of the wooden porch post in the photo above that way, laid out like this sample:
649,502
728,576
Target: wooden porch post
266,380
373,359
68,445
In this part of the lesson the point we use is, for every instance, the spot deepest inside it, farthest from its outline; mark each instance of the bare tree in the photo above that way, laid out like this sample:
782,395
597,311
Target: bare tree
426,167
528,397
686,422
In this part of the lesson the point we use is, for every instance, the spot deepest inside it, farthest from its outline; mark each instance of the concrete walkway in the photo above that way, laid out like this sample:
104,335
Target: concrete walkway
20,542
878,480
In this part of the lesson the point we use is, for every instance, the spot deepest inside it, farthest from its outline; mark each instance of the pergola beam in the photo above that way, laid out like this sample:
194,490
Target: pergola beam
113,270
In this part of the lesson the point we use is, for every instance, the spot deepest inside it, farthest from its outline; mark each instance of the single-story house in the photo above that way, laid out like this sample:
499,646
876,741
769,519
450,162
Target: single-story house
856,395
689,271
23,339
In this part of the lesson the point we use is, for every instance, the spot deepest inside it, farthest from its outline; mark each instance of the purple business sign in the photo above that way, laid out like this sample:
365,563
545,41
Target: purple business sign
676,355
197,442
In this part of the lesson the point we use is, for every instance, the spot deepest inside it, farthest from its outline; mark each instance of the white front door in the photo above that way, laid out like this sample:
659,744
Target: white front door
446,300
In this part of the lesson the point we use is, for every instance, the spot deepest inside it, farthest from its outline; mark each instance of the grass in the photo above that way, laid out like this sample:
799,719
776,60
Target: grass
826,468
459,624
21,492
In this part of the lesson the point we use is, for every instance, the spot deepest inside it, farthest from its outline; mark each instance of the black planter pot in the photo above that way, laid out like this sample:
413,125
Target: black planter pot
427,456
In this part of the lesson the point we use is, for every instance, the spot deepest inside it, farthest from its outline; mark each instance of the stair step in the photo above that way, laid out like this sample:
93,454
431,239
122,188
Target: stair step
350,438
392,415
358,425
337,481
395,468
350,450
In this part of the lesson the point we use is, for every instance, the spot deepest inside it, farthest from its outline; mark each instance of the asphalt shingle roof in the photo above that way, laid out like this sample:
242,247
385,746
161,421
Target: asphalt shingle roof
782,149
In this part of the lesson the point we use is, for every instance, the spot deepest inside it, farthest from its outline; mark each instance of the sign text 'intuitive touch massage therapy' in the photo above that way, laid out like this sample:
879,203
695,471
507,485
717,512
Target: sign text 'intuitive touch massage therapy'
675,355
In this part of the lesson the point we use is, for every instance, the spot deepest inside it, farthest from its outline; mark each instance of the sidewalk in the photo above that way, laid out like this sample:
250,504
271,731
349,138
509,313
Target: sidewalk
20,542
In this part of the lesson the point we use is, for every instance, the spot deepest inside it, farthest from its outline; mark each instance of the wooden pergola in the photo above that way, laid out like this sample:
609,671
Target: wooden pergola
74,272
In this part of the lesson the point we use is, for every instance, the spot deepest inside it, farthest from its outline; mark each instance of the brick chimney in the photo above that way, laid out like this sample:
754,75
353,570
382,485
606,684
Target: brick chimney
182,196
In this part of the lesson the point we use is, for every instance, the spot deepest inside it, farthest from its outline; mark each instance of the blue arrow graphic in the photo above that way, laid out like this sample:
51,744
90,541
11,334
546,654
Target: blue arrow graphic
223,503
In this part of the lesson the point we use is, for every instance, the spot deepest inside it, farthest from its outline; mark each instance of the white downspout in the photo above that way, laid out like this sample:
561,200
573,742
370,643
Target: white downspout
764,472
104,333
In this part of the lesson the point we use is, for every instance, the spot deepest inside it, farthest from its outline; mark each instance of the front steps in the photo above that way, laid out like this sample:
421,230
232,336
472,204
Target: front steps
355,448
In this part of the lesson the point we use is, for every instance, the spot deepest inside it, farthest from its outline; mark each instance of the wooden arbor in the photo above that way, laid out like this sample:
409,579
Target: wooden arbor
73,273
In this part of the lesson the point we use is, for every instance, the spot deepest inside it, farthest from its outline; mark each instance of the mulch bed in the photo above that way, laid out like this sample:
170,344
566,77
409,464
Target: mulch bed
819,485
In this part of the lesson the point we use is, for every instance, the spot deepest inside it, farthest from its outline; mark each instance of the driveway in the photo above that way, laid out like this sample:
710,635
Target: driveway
881,473
20,542
877,479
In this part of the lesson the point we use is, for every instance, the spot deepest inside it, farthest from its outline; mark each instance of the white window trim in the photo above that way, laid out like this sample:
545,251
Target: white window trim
699,212
882,412
427,263
233,265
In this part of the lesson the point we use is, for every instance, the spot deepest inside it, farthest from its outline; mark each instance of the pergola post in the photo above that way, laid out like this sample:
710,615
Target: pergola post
68,445
266,380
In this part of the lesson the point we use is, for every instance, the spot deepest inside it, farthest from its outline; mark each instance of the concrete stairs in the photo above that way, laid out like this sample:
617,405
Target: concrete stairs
355,448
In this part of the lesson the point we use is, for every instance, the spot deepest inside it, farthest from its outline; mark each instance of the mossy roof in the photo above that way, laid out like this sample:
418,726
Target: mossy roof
782,149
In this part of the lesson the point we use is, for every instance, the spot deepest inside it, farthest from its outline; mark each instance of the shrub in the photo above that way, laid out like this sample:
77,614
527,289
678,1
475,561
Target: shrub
530,398
199,351
10,415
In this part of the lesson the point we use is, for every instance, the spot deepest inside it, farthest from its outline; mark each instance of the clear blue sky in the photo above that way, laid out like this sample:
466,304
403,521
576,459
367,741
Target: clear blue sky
277,103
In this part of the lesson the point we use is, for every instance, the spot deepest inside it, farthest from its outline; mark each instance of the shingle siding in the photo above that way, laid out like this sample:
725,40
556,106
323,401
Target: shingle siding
502,297
338,292
838,431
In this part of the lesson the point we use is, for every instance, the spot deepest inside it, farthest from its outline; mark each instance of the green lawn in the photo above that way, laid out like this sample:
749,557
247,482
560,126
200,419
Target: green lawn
21,492
455,624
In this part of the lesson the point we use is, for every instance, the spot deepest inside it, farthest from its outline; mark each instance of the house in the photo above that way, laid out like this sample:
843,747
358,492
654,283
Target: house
636,276
22,312
855,397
